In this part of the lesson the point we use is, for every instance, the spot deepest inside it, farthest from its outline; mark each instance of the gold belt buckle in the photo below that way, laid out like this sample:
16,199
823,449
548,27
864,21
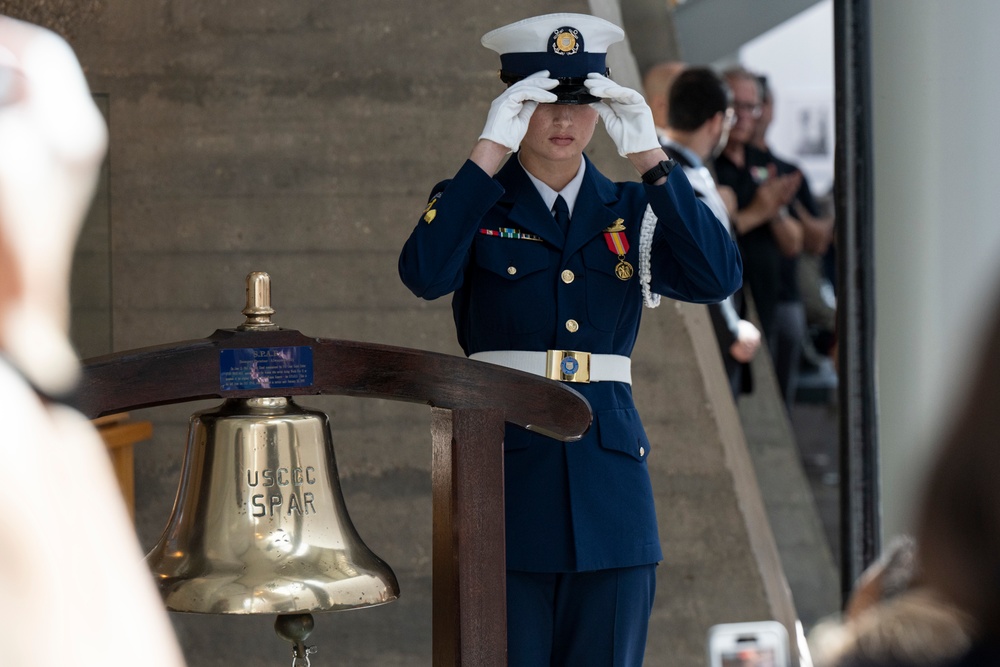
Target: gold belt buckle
567,365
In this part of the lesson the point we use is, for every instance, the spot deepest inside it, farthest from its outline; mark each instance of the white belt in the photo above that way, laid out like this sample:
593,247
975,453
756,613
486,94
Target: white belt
565,365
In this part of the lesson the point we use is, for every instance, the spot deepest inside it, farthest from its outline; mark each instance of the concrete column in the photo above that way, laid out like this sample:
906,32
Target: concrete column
936,97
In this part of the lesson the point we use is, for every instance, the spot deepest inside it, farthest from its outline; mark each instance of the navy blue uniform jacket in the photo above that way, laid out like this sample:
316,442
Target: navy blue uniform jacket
584,505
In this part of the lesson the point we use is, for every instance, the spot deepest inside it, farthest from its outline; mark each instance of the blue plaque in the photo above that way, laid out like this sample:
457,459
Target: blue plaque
265,368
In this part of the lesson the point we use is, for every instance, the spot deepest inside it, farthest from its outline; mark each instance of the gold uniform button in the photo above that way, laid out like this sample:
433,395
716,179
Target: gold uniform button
642,452
572,326
511,270
568,276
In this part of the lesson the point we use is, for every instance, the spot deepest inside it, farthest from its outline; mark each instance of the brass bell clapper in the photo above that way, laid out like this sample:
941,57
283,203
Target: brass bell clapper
295,628
259,524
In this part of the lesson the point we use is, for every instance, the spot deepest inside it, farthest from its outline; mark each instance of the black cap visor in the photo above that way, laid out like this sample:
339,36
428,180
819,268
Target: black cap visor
571,90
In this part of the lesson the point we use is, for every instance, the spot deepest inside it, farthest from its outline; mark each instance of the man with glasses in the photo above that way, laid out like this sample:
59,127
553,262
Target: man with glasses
699,118
769,237
812,309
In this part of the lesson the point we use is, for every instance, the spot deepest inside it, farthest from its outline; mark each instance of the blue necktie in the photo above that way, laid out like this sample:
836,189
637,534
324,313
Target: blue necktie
561,211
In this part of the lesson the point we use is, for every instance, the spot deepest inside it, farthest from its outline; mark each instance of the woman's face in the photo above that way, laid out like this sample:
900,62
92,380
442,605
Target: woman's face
559,132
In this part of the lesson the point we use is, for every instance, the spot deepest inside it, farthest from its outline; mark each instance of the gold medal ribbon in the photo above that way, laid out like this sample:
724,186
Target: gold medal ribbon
617,243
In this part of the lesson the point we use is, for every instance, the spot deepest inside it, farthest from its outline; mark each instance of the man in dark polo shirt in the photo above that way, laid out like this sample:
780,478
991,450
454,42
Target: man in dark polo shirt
770,238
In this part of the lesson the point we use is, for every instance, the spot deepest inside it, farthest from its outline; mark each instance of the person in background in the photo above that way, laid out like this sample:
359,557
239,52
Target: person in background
813,310
656,87
952,613
891,617
698,123
74,589
549,263
770,238
958,524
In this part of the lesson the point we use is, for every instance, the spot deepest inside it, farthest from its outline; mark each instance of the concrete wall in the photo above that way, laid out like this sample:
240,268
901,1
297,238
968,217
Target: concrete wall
302,139
936,231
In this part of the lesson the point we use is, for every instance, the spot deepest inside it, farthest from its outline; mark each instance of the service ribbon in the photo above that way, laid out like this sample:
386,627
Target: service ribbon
617,243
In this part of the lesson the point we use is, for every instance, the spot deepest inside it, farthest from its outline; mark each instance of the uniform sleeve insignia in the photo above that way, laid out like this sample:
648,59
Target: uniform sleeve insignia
430,213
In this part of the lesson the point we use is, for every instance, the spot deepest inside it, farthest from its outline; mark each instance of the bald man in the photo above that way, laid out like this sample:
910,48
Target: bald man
656,85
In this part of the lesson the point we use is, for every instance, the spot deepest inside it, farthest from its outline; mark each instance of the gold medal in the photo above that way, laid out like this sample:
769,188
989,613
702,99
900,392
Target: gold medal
624,270
617,242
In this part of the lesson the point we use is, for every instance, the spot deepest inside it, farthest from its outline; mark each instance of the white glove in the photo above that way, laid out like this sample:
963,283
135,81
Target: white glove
509,114
626,115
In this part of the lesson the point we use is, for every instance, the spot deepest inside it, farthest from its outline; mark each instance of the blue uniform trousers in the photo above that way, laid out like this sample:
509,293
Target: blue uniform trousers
579,619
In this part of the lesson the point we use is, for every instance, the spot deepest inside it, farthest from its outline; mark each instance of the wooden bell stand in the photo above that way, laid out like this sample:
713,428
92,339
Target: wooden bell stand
119,436
471,402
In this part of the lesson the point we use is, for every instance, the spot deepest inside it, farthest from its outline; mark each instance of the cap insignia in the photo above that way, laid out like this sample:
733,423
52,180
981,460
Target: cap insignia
566,41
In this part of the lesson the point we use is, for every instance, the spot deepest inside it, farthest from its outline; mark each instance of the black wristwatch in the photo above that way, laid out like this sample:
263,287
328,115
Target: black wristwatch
658,171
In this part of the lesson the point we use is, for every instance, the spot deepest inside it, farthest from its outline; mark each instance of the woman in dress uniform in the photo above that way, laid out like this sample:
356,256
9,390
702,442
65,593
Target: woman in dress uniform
549,264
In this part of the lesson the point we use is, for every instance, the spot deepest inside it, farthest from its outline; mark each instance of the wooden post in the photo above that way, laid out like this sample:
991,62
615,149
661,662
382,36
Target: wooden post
470,605
119,437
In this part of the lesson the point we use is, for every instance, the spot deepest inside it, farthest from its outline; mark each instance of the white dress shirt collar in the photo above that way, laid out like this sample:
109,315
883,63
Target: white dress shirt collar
688,154
569,193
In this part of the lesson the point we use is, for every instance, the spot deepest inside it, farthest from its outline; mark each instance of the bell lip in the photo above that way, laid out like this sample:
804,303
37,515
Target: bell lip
196,586
272,612
250,602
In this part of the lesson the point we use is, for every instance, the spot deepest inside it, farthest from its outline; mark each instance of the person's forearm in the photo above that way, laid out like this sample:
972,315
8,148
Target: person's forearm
646,160
817,233
488,155
751,217
787,234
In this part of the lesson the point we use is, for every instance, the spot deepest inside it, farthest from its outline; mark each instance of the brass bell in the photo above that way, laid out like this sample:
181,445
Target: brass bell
259,524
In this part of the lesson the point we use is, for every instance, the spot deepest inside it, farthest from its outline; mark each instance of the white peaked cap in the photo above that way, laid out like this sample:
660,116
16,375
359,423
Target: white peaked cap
533,34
